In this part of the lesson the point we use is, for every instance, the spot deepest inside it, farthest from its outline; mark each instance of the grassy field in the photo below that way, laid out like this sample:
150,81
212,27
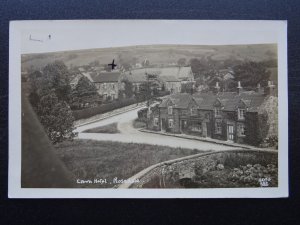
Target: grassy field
156,54
109,129
89,160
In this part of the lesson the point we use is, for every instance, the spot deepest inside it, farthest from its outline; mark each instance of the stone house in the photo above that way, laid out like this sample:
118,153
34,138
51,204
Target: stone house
108,84
171,84
230,116
169,77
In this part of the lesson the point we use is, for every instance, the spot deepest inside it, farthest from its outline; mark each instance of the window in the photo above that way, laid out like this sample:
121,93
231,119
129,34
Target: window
193,111
170,110
155,121
218,127
170,123
104,96
217,112
242,130
241,114
112,96
196,127
104,85
113,86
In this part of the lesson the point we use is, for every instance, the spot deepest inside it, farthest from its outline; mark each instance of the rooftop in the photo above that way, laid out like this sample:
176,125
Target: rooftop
229,101
105,77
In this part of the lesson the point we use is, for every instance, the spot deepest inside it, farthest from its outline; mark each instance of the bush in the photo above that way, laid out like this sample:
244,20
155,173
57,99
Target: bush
86,113
142,114
271,141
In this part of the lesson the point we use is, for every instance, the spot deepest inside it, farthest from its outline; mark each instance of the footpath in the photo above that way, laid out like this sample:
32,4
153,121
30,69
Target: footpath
210,140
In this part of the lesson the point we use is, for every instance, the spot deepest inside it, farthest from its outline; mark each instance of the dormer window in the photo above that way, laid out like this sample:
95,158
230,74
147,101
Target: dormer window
217,112
170,110
193,111
241,114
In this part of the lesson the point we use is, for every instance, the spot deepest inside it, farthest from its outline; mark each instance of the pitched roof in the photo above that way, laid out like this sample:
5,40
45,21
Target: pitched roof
169,79
105,77
230,101
180,100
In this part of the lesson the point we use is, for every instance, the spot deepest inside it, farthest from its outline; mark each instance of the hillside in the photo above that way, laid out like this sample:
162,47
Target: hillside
156,54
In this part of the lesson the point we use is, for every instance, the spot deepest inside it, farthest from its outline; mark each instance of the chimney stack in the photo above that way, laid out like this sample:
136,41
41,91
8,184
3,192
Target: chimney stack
259,89
239,87
217,88
270,89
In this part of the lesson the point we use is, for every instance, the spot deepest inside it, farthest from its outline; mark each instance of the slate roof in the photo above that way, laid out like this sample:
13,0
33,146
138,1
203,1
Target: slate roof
180,100
106,77
229,100
169,79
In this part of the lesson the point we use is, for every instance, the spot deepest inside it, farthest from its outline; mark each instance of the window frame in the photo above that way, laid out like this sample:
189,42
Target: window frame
217,112
170,121
242,128
243,114
170,110
156,121
218,127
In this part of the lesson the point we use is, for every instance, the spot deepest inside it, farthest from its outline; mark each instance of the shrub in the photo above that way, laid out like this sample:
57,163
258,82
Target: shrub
271,141
86,113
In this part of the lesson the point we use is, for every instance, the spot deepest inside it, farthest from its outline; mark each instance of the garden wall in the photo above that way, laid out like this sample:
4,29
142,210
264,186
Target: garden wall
185,167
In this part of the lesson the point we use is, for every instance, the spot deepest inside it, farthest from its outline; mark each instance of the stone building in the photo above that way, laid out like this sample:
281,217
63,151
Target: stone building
230,116
169,77
108,84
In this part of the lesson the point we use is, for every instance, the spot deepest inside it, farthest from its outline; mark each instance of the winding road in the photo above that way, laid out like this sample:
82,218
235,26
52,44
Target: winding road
129,134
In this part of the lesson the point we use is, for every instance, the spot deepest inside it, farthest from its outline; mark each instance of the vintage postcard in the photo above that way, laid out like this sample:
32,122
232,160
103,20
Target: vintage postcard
148,109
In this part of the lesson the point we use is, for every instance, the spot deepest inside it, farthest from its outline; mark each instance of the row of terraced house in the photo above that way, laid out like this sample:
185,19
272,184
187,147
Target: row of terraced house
241,116
109,84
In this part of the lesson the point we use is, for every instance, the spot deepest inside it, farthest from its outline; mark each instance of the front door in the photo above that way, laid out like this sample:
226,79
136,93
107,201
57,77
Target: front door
163,124
183,125
230,134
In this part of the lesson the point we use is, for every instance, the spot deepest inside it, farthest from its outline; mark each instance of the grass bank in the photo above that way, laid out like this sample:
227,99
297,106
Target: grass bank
89,159
109,129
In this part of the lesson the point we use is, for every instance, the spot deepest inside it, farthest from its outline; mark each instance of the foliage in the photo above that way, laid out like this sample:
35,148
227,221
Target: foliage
187,88
271,141
250,175
84,92
128,89
86,113
49,95
251,73
148,90
88,159
142,114
94,63
181,62
56,76
196,66
56,116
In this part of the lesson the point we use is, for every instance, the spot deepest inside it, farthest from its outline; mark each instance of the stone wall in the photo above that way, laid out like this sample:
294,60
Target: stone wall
186,167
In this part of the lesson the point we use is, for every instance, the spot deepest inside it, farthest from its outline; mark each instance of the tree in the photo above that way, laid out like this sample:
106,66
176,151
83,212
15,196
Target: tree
251,73
187,88
149,89
181,62
49,96
196,66
56,117
85,91
128,89
56,76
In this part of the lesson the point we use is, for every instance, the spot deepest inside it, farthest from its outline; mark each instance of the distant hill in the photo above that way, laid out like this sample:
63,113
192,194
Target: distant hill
156,54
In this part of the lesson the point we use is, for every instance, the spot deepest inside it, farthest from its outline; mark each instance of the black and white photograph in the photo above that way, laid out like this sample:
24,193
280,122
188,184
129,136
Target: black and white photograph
114,108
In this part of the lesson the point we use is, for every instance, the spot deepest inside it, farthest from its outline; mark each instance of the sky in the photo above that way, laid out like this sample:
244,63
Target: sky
88,34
